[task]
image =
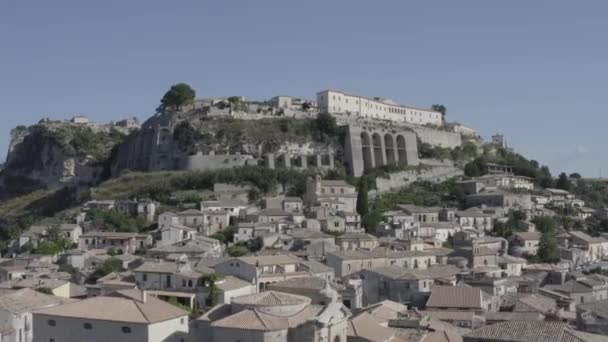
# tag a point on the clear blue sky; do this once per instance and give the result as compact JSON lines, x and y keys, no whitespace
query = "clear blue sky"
{"x":533,"y":70}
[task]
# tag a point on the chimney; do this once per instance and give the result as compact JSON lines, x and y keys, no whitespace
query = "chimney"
{"x":144,"y":296}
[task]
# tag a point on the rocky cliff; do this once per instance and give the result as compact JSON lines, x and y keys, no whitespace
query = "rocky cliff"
{"x":166,"y":140}
{"x":52,"y":154}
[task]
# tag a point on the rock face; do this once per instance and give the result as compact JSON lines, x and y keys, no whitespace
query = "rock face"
{"x":195,"y":141}
{"x":52,"y":154}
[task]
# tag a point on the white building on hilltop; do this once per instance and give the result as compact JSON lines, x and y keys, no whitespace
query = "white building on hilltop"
{"x":337,"y":102}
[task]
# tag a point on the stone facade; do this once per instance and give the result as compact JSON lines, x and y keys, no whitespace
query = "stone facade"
{"x":370,"y":148}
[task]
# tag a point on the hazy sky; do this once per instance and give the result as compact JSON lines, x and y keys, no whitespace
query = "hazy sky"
{"x":534,"y":70}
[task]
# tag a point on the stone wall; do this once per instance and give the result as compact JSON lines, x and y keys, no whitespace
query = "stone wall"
{"x":199,"y":162}
{"x":367,"y":148}
{"x":437,"y":137}
{"x":401,"y":179}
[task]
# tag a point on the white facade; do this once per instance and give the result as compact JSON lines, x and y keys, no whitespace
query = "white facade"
{"x":69,"y":329}
{"x":337,"y":102}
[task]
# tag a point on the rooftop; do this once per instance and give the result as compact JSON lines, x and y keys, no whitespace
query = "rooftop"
{"x":526,"y":331}
{"x":123,"y":306}
{"x":455,"y":297}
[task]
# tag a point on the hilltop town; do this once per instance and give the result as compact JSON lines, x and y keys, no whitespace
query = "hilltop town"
{"x":339,"y":218}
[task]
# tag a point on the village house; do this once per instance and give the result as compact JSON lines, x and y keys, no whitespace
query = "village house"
{"x":318,"y":190}
{"x":470,"y":219}
{"x":125,"y":315}
{"x":120,"y":242}
{"x":558,"y":197}
{"x":500,"y":198}
{"x":293,"y":205}
{"x":527,"y":331}
{"x":441,"y":231}
{"x":592,"y":317}
{"x":234,"y":208}
{"x":272,"y":317}
{"x":145,"y":209}
{"x":594,"y":248}
{"x":525,"y":243}
{"x":250,"y":230}
{"x":16,"y":309}
{"x":349,"y":262}
{"x":463,"y":298}
{"x":356,"y":241}
{"x":497,"y":181}
{"x":407,"y":286}
{"x":174,"y":233}
{"x":199,"y":246}
{"x":264,"y":270}
{"x":421,"y":214}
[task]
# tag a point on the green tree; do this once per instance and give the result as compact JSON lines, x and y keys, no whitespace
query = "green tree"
{"x":178,"y":95}
{"x":440,"y":108}
{"x":575,"y":175}
{"x":563,"y":182}
{"x":362,"y":197}
{"x":237,"y":251}
{"x":326,"y":123}
{"x":54,"y":233}
{"x":547,"y":248}
{"x":108,"y":266}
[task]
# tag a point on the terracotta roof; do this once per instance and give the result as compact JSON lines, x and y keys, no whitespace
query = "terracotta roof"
{"x":524,"y":331}
{"x":369,"y":327}
{"x":314,"y":283}
{"x":230,"y":283}
{"x":528,"y":235}
{"x":442,"y":336}
{"x":270,"y":260}
{"x":599,"y":308}
{"x":122,"y":306}
{"x":455,"y":297}
{"x":27,"y":300}
{"x":271,"y":298}
{"x":251,"y":319}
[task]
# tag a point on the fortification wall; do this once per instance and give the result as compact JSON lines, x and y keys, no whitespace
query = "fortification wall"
{"x":437,"y":137}
{"x":371,"y":147}
{"x":401,"y":179}
{"x":201,"y":162}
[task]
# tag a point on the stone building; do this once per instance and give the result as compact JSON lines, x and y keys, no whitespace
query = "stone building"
{"x":338,"y":102}
{"x":273,"y":317}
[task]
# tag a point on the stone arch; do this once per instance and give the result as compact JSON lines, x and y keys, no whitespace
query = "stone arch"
{"x":367,"y":151}
{"x":389,"y":146}
{"x":378,"y":153}
{"x":401,"y":150}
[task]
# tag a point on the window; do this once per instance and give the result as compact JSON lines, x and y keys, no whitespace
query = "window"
{"x":126,"y":330}
{"x":51,"y":340}
{"x":181,"y":321}
{"x":145,"y":277}
{"x":51,"y":322}
{"x":88,"y":326}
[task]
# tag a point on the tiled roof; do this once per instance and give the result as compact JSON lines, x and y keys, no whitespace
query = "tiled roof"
{"x":455,"y":297}
{"x":433,"y":272}
{"x":252,"y":319}
{"x":230,"y":283}
{"x":369,"y":328}
{"x":271,"y":298}
{"x":123,"y":306}
{"x":27,"y":300}
{"x":314,"y":283}
{"x":270,"y":260}
{"x":525,"y":331}
{"x":529,"y":235}
{"x":599,"y":308}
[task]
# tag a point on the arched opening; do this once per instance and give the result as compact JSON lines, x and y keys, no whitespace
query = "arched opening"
{"x":390,"y":149}
{"x":367,"y":151}
{"x":378,"y":155}
{"x":401,"y":151}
